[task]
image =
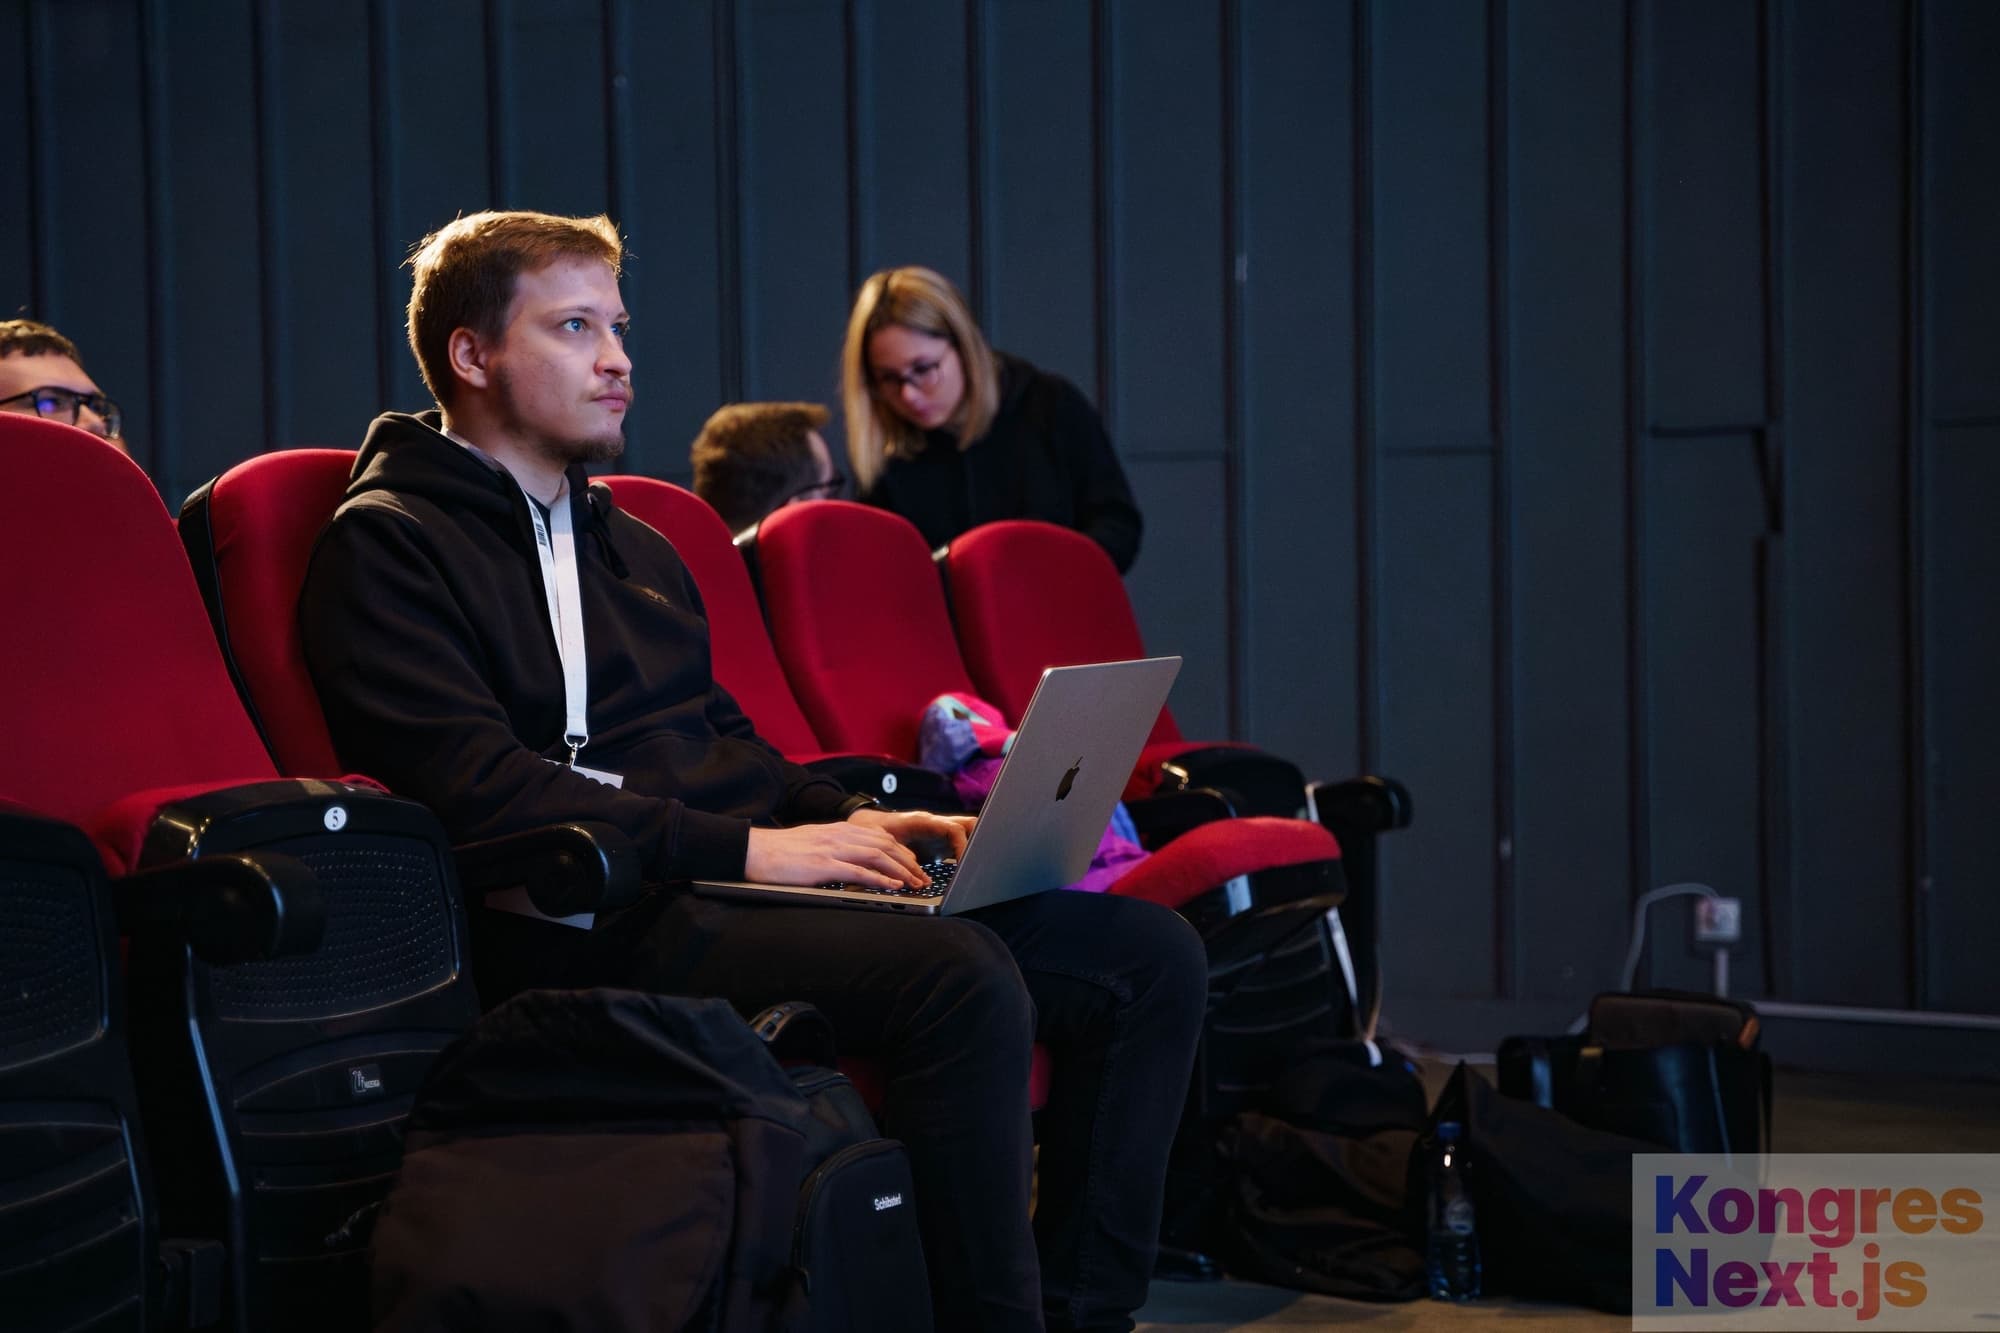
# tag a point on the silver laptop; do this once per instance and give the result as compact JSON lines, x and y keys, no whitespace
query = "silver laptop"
{"x":1048,"y":809}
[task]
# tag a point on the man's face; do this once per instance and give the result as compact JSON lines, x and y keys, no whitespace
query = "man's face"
{"x":18,"y":374}
{"x":560,"y":371}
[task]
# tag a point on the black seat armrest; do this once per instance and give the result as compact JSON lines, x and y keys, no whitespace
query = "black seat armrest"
{"x":233,"y":907}
{"x":566,"y":869}
{"x":1360,"y":805}
{"x":1161,"y":819}
{"x":898,"y":786}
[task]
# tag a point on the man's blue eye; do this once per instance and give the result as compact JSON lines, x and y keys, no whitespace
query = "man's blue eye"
{"x":620,"y":329}
{"x":574,"y":324}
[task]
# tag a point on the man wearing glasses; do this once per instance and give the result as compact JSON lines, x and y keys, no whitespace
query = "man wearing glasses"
{"x":42,"y":375}
{"x":752,"y":458}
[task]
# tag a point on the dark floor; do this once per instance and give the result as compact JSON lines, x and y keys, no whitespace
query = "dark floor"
{"x":1810,"y":1113}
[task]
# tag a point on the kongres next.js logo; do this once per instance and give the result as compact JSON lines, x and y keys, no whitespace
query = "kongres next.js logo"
{"x":1876,"y":1240}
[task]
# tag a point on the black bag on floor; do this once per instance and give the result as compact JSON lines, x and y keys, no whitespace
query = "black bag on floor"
{"x":1552,"y":1199}
{"x":1678,"y":1069}
{"x":1318,"y":1183}
{"x":608,"y":1161}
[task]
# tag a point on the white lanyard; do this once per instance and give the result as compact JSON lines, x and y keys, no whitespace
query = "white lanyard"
{"x":555,"y":543}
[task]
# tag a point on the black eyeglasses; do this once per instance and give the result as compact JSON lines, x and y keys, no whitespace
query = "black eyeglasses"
{"x":922,"y":376}
{"x":66,"y":406}
{"x":815,"y":490}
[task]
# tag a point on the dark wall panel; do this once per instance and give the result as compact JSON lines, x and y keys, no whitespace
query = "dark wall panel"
{"x":1704,"y":630}
{"x":1961,"y":51}
{"x":549,"y":106}
{"x":436,"y":150}
{"x":324,"y":265}
{"x":1843,"y":302}
{"x":1167,"y":297}
{"x":911,"y":175}
{"x":1296,"y":252}
{"x":1433,"y":275}
{"x":1565,"y":447}
{"x":1438,"y":724}
{"x":17,"y":256}
{"x":793,"y":114}
{"x":96,"y":274}
{"x":1039,"y":195}
{"x":1963,"y":658}
{"x":1704,"y":193}
{"x":213,"y":403}
{"x":1183,"y":602}
{"x":672,"y":216}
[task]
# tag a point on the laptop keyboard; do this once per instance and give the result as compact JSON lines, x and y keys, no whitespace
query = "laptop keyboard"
{"x":939,"y":871}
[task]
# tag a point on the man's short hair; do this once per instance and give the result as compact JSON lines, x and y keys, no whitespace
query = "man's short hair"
{"x":31,"y":337}
{"x":465,"y":276}
{"x":752,"y":457}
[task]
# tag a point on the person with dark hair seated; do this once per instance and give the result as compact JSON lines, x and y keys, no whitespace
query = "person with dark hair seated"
{"x":41,"y":374}
{"x":752,"y":458}
{"x":951,"y":434}
{"x":490,"y":635}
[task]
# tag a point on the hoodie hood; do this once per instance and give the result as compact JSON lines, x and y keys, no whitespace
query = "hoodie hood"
{"x":409,"y":453}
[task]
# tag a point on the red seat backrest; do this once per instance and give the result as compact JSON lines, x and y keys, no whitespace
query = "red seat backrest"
{"x":263,"y":517}
{"x":111,"y":681}
{"x":744,"y":661}
{"x":858,"y":616}
{"x":1027,"y":595}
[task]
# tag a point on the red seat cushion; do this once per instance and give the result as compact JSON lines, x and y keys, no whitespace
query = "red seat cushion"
{"x":264,"y":516}
{"x":744,"y":661}
{"x":124,"y":687}
{"x":859,"y":620}
{"x":1026,"y":595}
{"x":1216,"y":853}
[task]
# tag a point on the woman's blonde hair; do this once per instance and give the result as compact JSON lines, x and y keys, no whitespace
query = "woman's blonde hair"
{"x":924,"y":302}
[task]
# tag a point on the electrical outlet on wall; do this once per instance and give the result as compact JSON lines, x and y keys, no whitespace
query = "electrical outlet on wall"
{"x":1718,"y":920}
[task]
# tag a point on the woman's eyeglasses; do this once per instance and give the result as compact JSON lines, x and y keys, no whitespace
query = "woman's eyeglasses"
{"x":922,"y":376}
{"x":66,"y":406}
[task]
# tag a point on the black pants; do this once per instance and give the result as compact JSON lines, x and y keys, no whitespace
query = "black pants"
{"x":1113,"y":986}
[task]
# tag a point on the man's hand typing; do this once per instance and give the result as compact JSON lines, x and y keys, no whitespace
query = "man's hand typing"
{"x":852,"y":852}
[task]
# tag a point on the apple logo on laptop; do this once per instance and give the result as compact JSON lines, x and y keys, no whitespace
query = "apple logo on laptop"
{"x":1062,"y":788}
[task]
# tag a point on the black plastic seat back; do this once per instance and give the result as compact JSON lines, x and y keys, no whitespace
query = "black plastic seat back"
{"x":77,"y":1234}
{"x":306,"y":1065}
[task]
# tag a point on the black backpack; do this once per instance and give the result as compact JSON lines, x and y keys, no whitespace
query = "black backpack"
{"x":608,"y":1161}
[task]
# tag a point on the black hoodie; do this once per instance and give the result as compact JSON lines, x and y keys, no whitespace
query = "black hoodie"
{"x":1045,"y":456}
{"x":426,"y":629}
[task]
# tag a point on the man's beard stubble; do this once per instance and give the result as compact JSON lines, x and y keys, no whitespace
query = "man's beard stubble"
{"x":563,"y":452}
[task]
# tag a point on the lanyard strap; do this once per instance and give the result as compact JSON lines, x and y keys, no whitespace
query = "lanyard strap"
{"x":555,"y":543}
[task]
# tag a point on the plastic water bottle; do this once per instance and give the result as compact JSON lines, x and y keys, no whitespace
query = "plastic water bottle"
{"x":1451,"y":1266}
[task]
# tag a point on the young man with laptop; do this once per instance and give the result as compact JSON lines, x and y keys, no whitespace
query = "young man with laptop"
{"x":493,"y":638}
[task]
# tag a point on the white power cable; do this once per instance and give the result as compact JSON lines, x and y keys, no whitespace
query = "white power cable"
{"x":1639,"y":911}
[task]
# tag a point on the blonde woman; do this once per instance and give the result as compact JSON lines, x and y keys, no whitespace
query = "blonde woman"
{"x":951,"y":434}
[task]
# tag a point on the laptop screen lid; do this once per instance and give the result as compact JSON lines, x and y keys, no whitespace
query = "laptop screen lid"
{"x":1071,"y":757}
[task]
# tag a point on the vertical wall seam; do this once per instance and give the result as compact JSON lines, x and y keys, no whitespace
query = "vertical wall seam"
{"x":856,"y":66}
{"x":1638,"y":679}
{"x":619,"y":177}
{"x":1236,"y":531}
{"x":1368,"y":603}
{"x":978,"y":94}
{"x":1102,"y":148}
{"x":1775,"y":649}
{"x":1507,"y":936}
{"x":39,"y":58}
{"x":499,"y":113}
{"x":270,"y":222}
{"x":728,"y":205}
{"x":383,"y":106}
{"x":1916,"y":741}
{"x":164,"y":436}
